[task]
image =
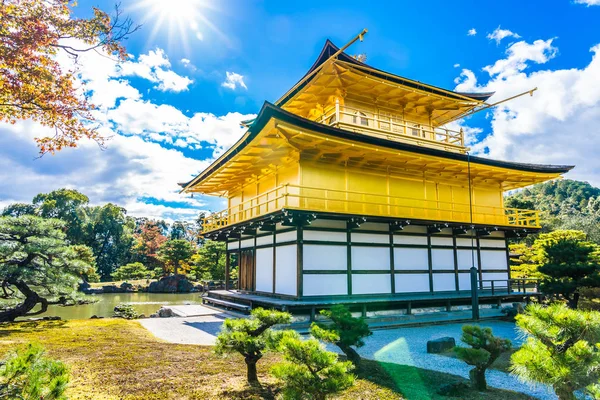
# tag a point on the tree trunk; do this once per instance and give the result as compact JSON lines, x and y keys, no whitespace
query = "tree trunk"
{"x":251,"y":361}
{"x":351,"y":354}
{"x":573,"y":301}
{"x":565,"y":393}
{"x":31,"y":300}
{"x":477,"y":377}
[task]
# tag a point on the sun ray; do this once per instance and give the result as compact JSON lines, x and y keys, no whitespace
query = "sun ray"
{"x":179,"y":20}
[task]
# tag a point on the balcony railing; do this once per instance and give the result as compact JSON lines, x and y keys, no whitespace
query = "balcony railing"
{"x":368,"y":204}
{"x":392,"y":127}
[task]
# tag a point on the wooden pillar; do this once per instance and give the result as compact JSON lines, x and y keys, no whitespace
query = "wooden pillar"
{"x":227,"y":261}
{"x":474,"y":295}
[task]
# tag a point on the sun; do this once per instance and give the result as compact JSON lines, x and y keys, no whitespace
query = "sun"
{"x":182,"y":20}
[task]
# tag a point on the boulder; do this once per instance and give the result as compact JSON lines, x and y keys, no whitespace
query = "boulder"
{"x":165,"y":313}
{"x":111,"y":289}
{"x":440,"y":345}
{"x":171,"y":284}
{"x":511,"y":312}
{"x":127,"y":287}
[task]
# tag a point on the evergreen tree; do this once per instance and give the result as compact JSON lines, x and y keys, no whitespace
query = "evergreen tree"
{"x":562,"y":349}
{"x":209,"y":263}
{"x":176,"y":254}
{"x":36,"y":261}
{"x":309,"y":371}
{"x":570,"y":265}
{"x":345,"y":331}
{"x":485,"y":349}
{"x":134,"y":270}
{"x":251,"y":337}
{"x":28,"y":374}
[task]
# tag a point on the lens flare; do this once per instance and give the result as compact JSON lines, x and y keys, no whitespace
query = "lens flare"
{"x":180,"y":20}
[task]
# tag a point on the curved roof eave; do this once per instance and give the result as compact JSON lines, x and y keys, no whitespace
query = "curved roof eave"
{"x":329,"y":49}
{"x":270,"y":111}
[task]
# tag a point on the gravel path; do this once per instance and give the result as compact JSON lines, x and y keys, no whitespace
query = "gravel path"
{"x":406,"y":346}
{"x":189,"y":330}
{"x":409,"y":346}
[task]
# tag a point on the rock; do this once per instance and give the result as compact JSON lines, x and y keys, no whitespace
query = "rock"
{"x":155,"y":315}
{"x":456,"y":389}
{"x":171,"y":284}
{"x":440,"y":345}
{"x":95,"y":317}
{"x":127,"y":287}
{"x":111,"y":289}
{"x":165,"y":313}
{"x":512,"y":311}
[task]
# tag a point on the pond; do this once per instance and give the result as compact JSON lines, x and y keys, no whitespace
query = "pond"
{"x":144,"y":303}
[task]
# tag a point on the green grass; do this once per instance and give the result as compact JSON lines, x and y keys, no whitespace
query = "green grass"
{"x":118,"y":359}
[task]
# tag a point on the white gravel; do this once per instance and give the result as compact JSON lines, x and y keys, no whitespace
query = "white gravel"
{"x":408,"y":346}
{"x":189,"y":330}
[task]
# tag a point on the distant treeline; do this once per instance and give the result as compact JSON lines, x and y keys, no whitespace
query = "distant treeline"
{"x":117,"y":239}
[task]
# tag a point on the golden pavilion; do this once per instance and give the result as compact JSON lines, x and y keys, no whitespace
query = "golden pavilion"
{"x":352,"y":188}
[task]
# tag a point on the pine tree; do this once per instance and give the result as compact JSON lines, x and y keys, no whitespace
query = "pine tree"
{"x":36,"y":261}
{"x":562,"y":349}
{"x":251,"y":337}
{"x":309,"y":371}
{"x":485,"y":349}
{"x":570,"y":265}
{"x":28,"y":374}
{"x":345,"y":331}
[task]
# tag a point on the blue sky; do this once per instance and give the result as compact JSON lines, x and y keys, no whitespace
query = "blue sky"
{"x":199,"y":67}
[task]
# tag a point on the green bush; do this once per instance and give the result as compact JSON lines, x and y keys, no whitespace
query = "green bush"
{"x":29,"y":375}
{"x":251,"y":337}
{"x":345,"y":331}
{"x":125,"y":311}
{"x":309,"y":371}
{"x":135,"y":270}
{"x":485,"y":349}
{"x":562,"y":349}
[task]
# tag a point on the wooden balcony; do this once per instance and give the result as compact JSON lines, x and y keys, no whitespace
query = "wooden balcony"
{"x":367,"y":204}
{"x":392,"y":126}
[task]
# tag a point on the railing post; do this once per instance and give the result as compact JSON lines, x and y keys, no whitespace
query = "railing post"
{"x":492,"y":288}
{"x":474,"y":295}
{"x":337,"y":110}
{"x":462,"y":137}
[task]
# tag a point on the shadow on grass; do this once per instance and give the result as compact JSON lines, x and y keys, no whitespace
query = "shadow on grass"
{"x":266,"y":391}
{"x":21,"y":327}
{"x":411,"y":382}
{"x":421,"y":384}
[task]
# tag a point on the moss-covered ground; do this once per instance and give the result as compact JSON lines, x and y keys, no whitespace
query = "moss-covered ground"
{"x":118,"y":359}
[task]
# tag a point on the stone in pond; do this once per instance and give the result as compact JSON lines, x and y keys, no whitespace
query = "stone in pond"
{"x":440,"y":345}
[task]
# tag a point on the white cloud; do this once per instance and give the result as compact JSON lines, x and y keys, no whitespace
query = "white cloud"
{"x":144,"y":159}
{"x":472,"y":32}
{"x":155,"y":67}
{"x":233,"y":81}
{"x":456,"y":65}
{"x":500,"y":34}
{"x":588,"y":2}
{"x":147,"y":120}
{"x":557,"y":125}
{"x":519,"y":54}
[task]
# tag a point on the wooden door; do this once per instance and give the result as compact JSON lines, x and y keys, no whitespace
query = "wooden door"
{"x":246,"y":270}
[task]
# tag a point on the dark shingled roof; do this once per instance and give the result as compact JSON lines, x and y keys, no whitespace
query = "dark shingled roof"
{"x":269,"y":111}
